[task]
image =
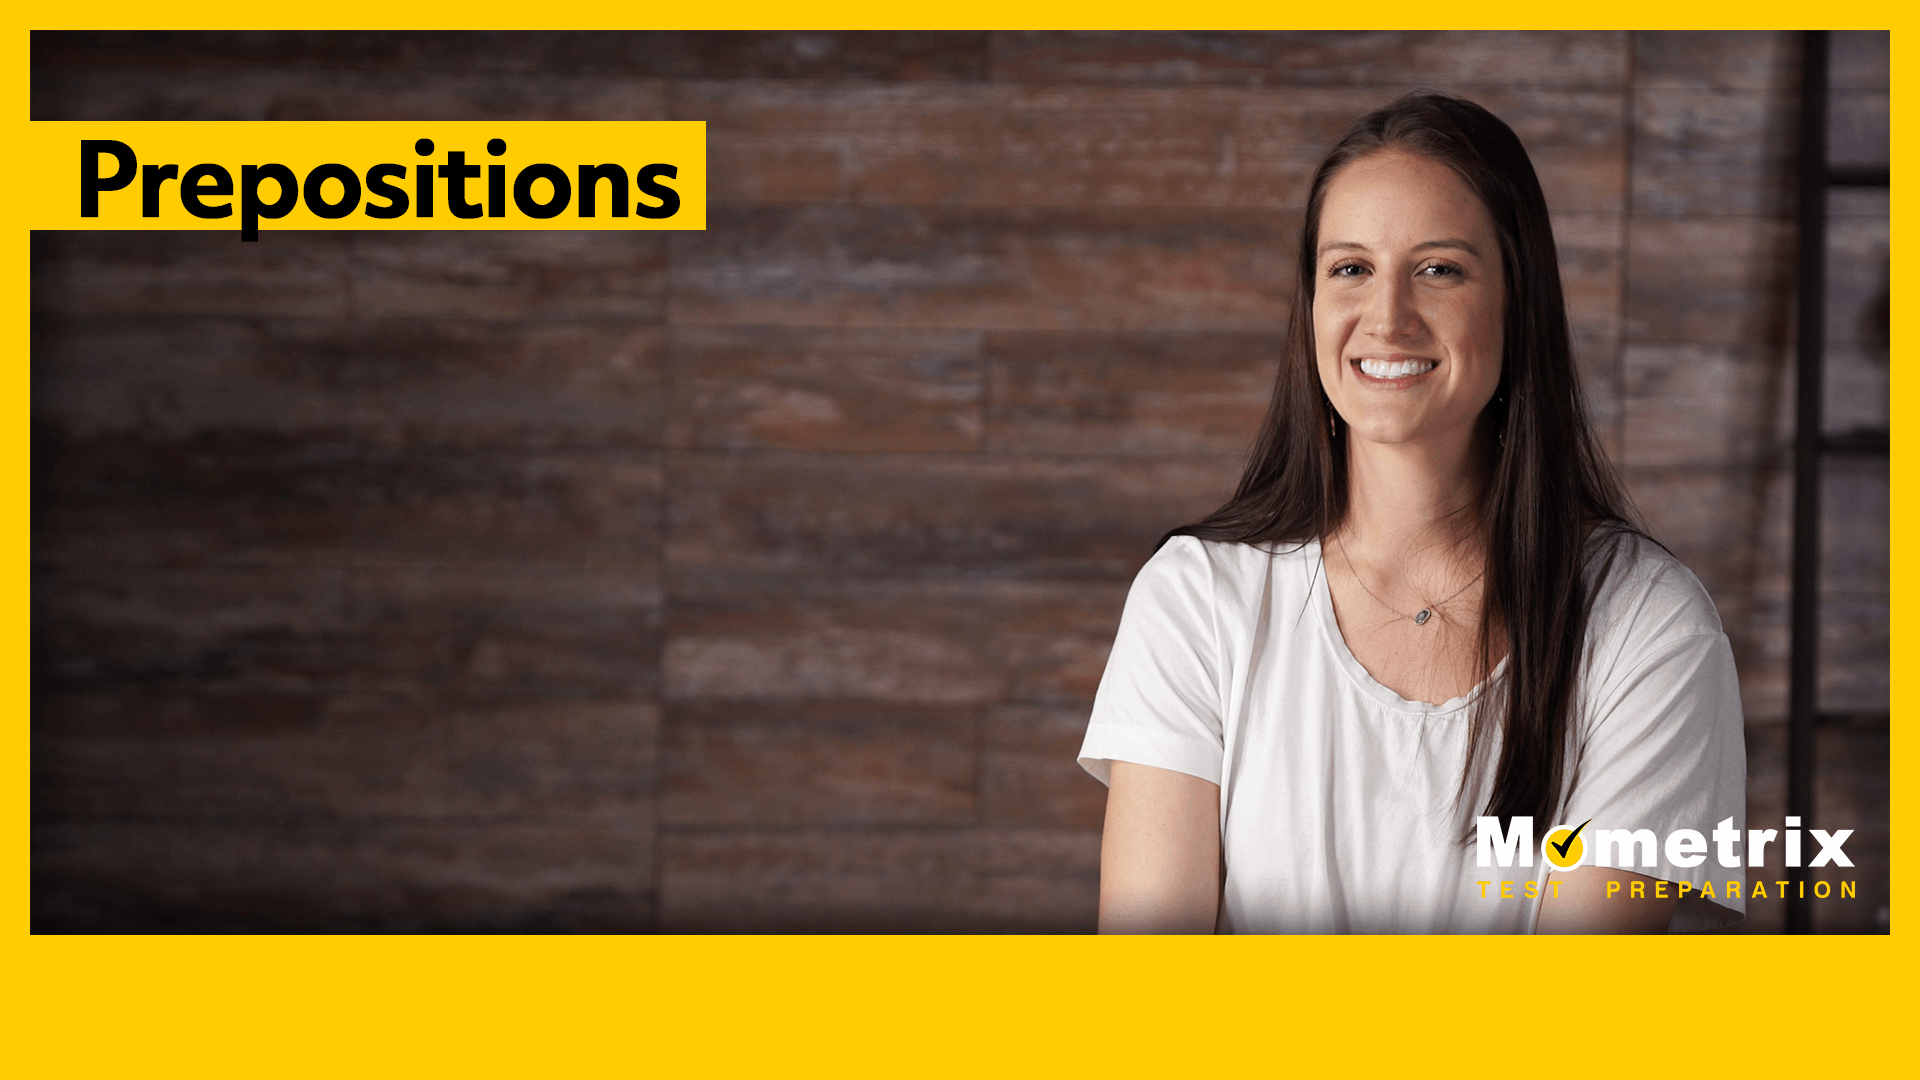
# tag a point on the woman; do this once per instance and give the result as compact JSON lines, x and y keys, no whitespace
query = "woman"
{"x":1422,"y":624}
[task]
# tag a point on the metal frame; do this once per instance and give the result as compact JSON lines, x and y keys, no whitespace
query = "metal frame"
{"x":1809,"y":423}
{"x":1810,"y":447}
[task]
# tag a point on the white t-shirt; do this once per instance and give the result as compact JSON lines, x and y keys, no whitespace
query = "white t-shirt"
{"x":1338,"y":809}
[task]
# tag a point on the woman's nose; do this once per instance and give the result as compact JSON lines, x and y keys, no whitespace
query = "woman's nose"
{"x":1392,"y":313}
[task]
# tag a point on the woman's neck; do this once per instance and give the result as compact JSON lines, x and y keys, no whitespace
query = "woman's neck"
{"x":1413,"y":502}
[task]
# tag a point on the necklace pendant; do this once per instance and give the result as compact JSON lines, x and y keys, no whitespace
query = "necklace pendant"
{"x":1421,"y":619}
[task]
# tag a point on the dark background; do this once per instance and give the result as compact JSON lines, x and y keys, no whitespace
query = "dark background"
{"x":760,"y":578}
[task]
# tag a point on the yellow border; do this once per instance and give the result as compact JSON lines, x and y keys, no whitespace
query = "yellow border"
{"x":954,"y":14}
{"x":307,"y":1006}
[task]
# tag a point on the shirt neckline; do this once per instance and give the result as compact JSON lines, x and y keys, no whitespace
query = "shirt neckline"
{"x":1357,"y":673}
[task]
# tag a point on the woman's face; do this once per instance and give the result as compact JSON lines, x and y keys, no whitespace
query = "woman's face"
{"x":1408,"y":306}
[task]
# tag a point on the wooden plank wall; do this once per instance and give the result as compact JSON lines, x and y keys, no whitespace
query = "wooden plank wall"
{"x":760,"y":578}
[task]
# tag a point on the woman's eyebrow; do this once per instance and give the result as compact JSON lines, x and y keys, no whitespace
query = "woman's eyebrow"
{"x":1342,"y":245}
{"x":1452,"y":245}
{"x":1446,"y":245}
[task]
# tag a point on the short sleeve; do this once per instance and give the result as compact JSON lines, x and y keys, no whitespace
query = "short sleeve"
{"x":1663,"y":744}
{"x":1159,"y":699}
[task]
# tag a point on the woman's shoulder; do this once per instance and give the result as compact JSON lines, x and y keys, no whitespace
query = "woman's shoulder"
{"x":1224,"y":576}
{"x":1645,"y":592}
{"x":1228,"y":564}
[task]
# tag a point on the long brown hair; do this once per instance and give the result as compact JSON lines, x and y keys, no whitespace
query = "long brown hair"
{"x":1547,"y":483}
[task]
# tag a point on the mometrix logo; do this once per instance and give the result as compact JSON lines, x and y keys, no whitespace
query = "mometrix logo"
{"x":1567,"y":846}
{"x":1562,"y":847}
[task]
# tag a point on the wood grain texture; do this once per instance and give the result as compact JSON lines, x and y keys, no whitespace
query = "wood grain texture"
{"x":879,"y":880}
{"x":1859,"y":279}
{"x":1850,"y":792}
{"x":322,"y":630}
{"x":858,"y":390}
{"x":413,"y":383}
{"x":1128,"y":393}
{"x":287,"y":274}
{"x":1714,"y":153}
{"x":984,"y":268}
{"x":829,"y":54}
{"x":934,"y":516}
{"x":1711,"y":405}
{"x":1722,"y":281}
{"x":1859,"y":127}
{"x":1291,"y":59}
{"x":939,"y":642}
{"x":1717,"y":60}
{"x":1029,"y":775}
{"x":355,"y":758}
{"x":1858,"y":59}
{"x":530,"y":276}
{"x":819,"y":763}
{"x":246,"y":499}
{"x":1858,"y":311}
{"x":336,"y":93}
{"x":1004,"y":144}
{"x":761,"y":578}
{"x":386,"y":877}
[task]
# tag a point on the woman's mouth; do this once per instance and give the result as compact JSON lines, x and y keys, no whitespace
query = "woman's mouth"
{"x":1395,"y":369}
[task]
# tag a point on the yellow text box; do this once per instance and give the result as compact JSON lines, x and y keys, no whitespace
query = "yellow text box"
{"x":251,"y":176}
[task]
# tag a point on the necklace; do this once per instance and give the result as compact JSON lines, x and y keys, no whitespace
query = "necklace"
{"x":1425,"y":612}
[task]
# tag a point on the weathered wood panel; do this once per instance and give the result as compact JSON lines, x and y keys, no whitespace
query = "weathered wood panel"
{"x":333,"y":93}
{"x":1004,"y":144}
{"x":1028,"y":775}
{"x":369,"y":596}
{"x":412,"y":383}
{"x":819,"y":763}
{"x":355,"y":758}
{"x":1714,"y":153}
{"x":323,"y":630}
{"x":938,"y":642}
{"x":379,"y":877}
{"x":287,"y":274}
{"x":1851,"y":793}
{"x":859,"y":390}
{"x":1716,"y":60}
{"x":1712,"y":405}
{"x":482,"y":275}
{"x":984,"y":268}
{"x":1128,"y":393}
{"x":821,"y":54}
{"x":934,"y":516}
{"x":245,"y":499}
{"x":1309,"y":58}
{"x":1723,"y":281}
{"x":1859,"y":126}
{"x":879,"y":880}
{"x":531,"y":276}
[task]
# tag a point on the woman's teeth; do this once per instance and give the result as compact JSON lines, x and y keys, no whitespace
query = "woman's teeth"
{"x":1397,"y":369}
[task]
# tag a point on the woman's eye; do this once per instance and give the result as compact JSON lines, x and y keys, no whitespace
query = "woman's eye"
{"x":1346,"y":270}
{"x":1440,"y":270}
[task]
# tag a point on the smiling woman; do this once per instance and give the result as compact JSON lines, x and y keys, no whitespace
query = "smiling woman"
{"x":1424,"y":622}
{"x":1406,"y":320}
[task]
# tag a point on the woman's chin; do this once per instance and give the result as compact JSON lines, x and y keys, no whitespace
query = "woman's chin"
{"x":1410,"y":433}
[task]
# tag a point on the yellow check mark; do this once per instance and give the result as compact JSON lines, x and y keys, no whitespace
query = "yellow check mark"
{"x":1563,"y":845}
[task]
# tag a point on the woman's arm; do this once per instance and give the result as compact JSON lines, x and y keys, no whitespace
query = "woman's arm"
{"x":1580,"y":904}
{"x":1160,"y":853}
